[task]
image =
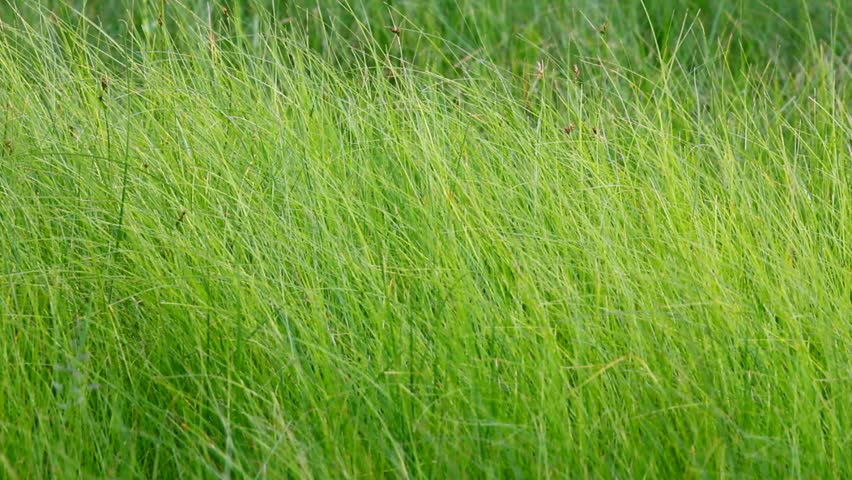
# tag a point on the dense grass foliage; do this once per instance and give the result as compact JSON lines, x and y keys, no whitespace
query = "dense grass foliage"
{"x":433,"y":239}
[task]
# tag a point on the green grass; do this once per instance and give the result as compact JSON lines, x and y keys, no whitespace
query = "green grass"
{"x":282,"y":242}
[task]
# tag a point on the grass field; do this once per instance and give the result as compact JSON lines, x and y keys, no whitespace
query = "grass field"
{"x":426,"y":239}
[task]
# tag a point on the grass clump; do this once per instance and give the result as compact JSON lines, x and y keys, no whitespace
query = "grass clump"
{"x":251,"y":241}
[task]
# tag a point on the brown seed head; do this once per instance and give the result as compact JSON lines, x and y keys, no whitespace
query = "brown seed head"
{"x":104,"y":82}
{"x":395,"y":30}
{"x":539,"y":70}
{"x":604,"y":28}
{"x":576,"y":70}
{"x":569,"y":129}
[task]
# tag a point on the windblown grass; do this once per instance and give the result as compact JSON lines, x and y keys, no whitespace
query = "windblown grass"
{"x":525,"y":242}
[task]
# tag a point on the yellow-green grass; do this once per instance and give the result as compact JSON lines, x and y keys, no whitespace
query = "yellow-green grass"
{"x":466,"y":239}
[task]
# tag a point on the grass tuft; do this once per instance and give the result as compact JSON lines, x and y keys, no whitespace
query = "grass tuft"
{"x":467,"y":239}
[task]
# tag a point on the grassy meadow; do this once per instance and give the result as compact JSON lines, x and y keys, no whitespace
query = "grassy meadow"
{"x":425,"y":239}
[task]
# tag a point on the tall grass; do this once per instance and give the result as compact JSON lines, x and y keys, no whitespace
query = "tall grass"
{"x":503,"y":240}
